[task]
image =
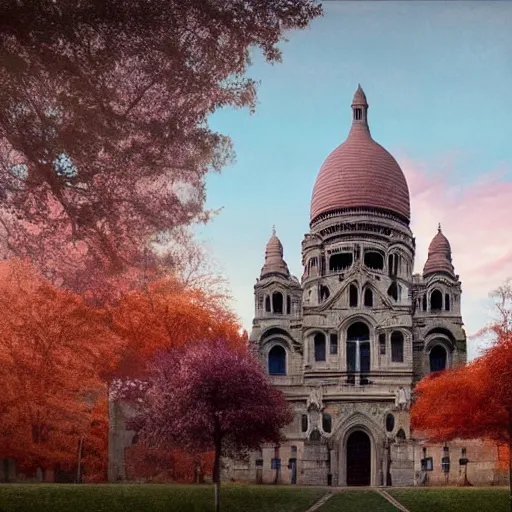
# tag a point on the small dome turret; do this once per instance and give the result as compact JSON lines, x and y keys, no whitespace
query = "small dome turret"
{"x":439,"y":256}
{"x":274,"y":262}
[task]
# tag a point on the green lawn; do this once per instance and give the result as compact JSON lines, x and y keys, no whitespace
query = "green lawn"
{"x":154,"y":498}
{"x":452,"y":500}
{"x":357,"y":501}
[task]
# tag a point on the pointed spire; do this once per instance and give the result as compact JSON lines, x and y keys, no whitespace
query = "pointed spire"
{"x":360,"y":110}
{"x":274,"y":262}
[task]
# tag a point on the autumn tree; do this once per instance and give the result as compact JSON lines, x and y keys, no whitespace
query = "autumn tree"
{"x":166,"y":315}
{"x":209,"y":397}
{"x":104,"y":105}
{"x":54,"y":351}
{"x":470,"y":402}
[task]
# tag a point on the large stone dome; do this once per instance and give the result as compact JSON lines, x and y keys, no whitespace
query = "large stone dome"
{"x":360,"y":173}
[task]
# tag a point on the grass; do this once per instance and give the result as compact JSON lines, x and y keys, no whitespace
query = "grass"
{"x":357,"y":501}
{"x":452,"y":500}
{"x":153,"y":498}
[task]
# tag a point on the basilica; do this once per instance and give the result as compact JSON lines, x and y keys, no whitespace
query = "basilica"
{"x":347,"y":342}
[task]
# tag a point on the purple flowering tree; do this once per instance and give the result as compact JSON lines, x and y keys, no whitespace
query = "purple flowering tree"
{"x":209,"y":397}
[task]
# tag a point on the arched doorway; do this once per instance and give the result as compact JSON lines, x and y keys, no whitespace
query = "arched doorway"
{"x":359,"y":452}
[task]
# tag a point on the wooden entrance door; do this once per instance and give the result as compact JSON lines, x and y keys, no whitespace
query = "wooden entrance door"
{"x":358,"y":459}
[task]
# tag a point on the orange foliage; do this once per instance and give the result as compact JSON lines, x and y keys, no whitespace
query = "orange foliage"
{"x":159,"y":465}
{"x":167,"y":315}
{"x":53,"y":349}
{"x":470,"y":402}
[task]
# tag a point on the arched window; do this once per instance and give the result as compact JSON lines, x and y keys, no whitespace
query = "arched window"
{"x":326,"y":423}
{"x":267,"y":304}
{"x":447,"y":302}
{"x":400,"y":436}
{"x":277,"y":302}
{"x":397,"y":347}
{"x":438,"y":357}
{"x":436,"y":301}
{"x":424,"y":303}
{"x":358,"y":350}
{"x":340,"y":261}
{"x":352,"y":296}
{"x":288,"y":305}
{"x":304,"y":422}
{"x":324,"y":293}
{"x":319,"y":347}
{"x":393,"y":291}
{"x":390,"y":422}
{"x":368,"y":298}
{"x":277,"y":360}
{"x":373,"y":260}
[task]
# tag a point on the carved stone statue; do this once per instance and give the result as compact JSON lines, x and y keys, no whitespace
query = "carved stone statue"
{"x":315,"y":399}
{"x":402,"y":399}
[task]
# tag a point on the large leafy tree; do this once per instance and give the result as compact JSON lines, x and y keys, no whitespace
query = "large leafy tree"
{"x":104,"y":105}
{"x":209,"y":397}
{"x":54,"y":354}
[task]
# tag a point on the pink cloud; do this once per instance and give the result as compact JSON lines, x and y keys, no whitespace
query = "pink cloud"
{"x":475,"y":217}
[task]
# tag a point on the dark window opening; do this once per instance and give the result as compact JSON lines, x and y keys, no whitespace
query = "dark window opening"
{"x":400,"y":435}
{"x":304,"y":422}
{"x":315,"y":436}
{"x":436,"y":301}
{"x":424,"y":301}
{"x":390,"y":264}
{"x":382,"y":343}
{"x":313,"y":262}
{"x":352,"y":296}
{"x":288,"y":305}
{"x":358,"y":349}
{"x":437,"y":358}
{"x":277,"y":302}
{"x":395,"y":264}
{"x":390,"y":422}
{"x":334,"y":344}
{"x":319,"y":347}
{"x":397,"y":347}
{"x":373,"y":260}
{"x":267,"y":304}
{"x":326,"y":422}
{"x":340,"y":261}
{"x":358,"y":114}
{"x":393,"y":291}
{"x":324,"y":293}
{"x":447,"y":302}
{"x":277,"y":360}
{"x":368,"y":298}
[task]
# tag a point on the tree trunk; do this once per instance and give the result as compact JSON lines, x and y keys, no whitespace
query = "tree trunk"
{"x":216,"y":477}
{"x":79,"y":465}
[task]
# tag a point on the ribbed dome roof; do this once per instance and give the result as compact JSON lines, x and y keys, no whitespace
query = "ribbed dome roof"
{"x":360,"y":173}
{"x":439,"y":256}
{"x":274,"y":262}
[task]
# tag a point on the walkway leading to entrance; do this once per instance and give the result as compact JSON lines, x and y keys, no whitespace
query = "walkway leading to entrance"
{"x":359,"y":463}
{"x":392,"y":500}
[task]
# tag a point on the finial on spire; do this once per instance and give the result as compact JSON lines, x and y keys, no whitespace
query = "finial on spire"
{"x":274,"y":229}
{"x":439,"y":228}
